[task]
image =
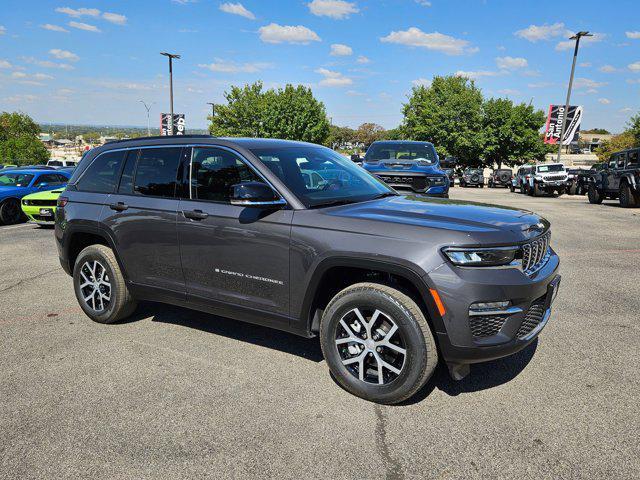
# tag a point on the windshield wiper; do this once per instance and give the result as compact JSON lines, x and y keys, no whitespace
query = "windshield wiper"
{"x":385,"y":195}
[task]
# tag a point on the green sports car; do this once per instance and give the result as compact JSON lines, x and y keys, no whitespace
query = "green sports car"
{"x":40,"y":207}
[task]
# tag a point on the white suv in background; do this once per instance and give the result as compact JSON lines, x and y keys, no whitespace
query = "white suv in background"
{"x":547,"y":178}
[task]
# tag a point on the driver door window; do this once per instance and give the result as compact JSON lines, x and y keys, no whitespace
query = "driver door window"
{"x":215,"y":171}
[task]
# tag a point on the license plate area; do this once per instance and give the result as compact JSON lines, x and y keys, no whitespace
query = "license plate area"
{"x":46,"y":212}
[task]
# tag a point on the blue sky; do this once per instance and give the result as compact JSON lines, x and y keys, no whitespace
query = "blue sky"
{"x":92,"y":61}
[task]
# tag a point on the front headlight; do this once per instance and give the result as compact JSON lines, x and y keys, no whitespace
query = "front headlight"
{"x":437,"y":180}
{"x":481,"y":257}
{"x":538,"y":177}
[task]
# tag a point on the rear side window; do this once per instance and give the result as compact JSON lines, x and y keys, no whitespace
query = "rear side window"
{"x":50,"y":179}
{"x":102,"y":175}
{"x":632,"y":160}
{"x":157,"y":171}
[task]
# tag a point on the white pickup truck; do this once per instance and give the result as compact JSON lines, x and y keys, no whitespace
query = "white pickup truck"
{"x":547,"y":178}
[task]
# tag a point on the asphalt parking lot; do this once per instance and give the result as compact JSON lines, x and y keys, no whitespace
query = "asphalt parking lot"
{"x":180,"y":394}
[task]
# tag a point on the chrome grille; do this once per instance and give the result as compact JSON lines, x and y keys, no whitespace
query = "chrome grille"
{"x":532,"y":319}
{"x":535,"y":254}
{"x":555,"y":177}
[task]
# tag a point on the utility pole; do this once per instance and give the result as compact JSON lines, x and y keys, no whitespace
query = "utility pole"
{"x":213,"y":108}
{"x":170,"y":56}
{"x":576,"y":37}
{"x":148,"y":107}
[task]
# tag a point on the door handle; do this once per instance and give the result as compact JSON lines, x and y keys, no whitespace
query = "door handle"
{"x":119,"y":207}
{"x":195,"y":214}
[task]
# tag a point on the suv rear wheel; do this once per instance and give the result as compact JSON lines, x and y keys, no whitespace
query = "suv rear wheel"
{"x":594,"y":195}
{"x":626,"y":197}
{"x":377,"y":343}
{"x":100,"y":287}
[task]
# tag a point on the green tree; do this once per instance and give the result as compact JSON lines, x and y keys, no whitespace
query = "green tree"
{"x":291,"y":113}
{"x":367,"y":133}
{"x":511,"y":133}
{"x":634,"y":129}
{"x":618,"y":142}
{"x":447,"y":113}
{"x":339,"y":136}
{"x":599,"y":131}
{"x":19,"y":141}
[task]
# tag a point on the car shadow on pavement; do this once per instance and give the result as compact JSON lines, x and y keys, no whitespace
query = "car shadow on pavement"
{"x":308,"y":349}
{"x":482,"y":376}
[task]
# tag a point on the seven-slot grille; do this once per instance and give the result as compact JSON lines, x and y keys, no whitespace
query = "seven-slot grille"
{"x":555,"y":177}
{"x":535,"y":254}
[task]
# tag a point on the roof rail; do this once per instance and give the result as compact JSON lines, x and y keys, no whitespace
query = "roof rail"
{"x":156,"y":137}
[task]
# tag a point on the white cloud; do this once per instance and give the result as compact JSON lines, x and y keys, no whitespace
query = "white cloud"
{"x":20,"y":99}
{"x":511,"y":63}
{"x":274,"y":33}
{"x":222,"y":66}
{"x":354,"y":93}
{"x":64,"y":55}
{"x":237,"y":9}
{"x":631,"y":81}
{"x":363,"y":60}
{"x":508,"y":91}
{"x":414,"y":37}
{"x":540,"y":85}
{"x":115,"y":18}
{"x":608,"y":69}
{"x":604,"y":101}
{"x":340,"y":50}
{"x":584,"y":41}
{"x":633,"y":35}
{"x":634,"y":67}
{"x":626,"y":110}
{"x":53,"y":28}
{"x":3,"y":29}
{"x":421,"y":82}
{"x":534,"y":33}
{"x":585,"y":64}
{"x":84,"y":26}
{"x":588,"y":83}
{"x":424,"y":3}
{"x":80,"y":12}
{"x":47,"y":63}
{"x":4,"y":64}
{"x":478,"y":73}
{"x":333,"y":79}
{"x":337,"y":9}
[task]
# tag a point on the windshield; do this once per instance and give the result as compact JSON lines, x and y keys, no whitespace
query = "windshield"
{"x":319,"y":176}
{"x":550,"y":168}
{"x":15,"y":180}
{"x":473,"y":171}
{"x":54,"y":163}
{"x":401,"y":151}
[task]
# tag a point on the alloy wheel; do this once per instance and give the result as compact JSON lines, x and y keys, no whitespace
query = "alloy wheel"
{"x":371,"y":345}
{"x":95,"y":286}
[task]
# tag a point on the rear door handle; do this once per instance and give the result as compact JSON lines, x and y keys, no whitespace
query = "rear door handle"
{"x":195,"y":214}
{"x":119,"y":207}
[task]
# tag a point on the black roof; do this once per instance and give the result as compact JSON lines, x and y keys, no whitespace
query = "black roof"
{"x":248,"y":143}
{"x":394,"y":142}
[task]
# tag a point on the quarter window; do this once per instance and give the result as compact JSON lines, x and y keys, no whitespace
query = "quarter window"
{"x":157,"y":171}
{"x":632,"y":161}
{"x":214,"y":171}
{"x":621,"y":158}
{"x":102,"y":175}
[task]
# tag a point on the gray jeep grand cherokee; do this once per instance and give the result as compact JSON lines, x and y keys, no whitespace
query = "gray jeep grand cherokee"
{"x":296,"y":237}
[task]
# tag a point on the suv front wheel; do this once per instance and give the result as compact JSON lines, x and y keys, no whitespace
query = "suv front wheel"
{"x":377,"y":343}
{"x":626,"y":198}
{"x":594,"y":195}
{"x":100,"y":287}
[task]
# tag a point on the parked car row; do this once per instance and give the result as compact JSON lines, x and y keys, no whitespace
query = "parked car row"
{"x":30,"y":194}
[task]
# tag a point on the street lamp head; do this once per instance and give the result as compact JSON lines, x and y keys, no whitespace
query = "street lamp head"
{"x":581,"y":34}
{"x":170,"y":55}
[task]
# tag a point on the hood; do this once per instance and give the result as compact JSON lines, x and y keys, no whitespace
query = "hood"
{"x":477,"y":220}
{"x":402,"y":165}
{"x":12,"y":192}
{"x":46,"y":195}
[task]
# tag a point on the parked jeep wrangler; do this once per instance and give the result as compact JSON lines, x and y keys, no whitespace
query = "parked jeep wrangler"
{"x":520,"y":180}
{"x":392,"y":284}
{"x":619,"y":178}
{"x":549,"y":178}
{"x":472,"y":177}
{"x":586,"y":177}
{"x":500,"y":178}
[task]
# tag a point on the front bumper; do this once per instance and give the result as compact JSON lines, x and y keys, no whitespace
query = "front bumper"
{"x":36,"y":214}
{"x":416,"y":181}
{"x":531,"y":299}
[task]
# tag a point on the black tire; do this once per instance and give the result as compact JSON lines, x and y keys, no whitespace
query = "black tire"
{"x":10,"y":212}
{"x":573,"y":189}
{"x":627,"y":198}
{"x":413,"y":331}
{"x":120,"y":304}
{"x":512,"y":188}
{"x":594,"y":195}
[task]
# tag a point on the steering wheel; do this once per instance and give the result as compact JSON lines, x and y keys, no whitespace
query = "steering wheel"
{"x":334,"y":184}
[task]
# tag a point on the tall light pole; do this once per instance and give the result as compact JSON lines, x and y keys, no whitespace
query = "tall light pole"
{"x":148,"y":107}
{"x":170,"y":56}
{"x":213,"y":108}
{"x":576,"y":37}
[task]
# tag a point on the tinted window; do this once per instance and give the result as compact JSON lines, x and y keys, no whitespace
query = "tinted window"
{"x":126,"y":180}
{"x":55,"y":163}
{"x":215,"y":171}
{"x":156,"y":172}
{"x":632,"y":161}
{"x":102,"y":175}
{"x":50,"y":179}
{"x":621,"y":159}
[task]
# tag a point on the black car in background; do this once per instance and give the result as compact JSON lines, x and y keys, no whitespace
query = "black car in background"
{"x":472,"y":177}
{"x":619,"y":178}
{"x":451,"y":174}
{"x":500,"y":178}
{"x":585,"y":177}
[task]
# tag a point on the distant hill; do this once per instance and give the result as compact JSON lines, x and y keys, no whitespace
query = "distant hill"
{"x":120,"y":131}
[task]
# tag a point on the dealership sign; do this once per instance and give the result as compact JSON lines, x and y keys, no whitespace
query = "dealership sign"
{"x":555,"y":120}
{"x":178,"y":124}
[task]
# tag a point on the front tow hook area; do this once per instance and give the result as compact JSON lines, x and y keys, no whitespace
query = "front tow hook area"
{"x":458,"y":371}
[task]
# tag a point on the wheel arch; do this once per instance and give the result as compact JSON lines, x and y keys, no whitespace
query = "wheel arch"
{"x":80,"y":238}
{"x":334,"y":274}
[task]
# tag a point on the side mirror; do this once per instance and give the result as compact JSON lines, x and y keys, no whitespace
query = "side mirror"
{"x":255,"y":194}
